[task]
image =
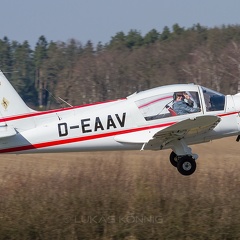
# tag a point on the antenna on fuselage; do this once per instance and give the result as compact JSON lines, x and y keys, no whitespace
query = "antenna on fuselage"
{"x":58,"y":98}
{"x":65,"y":102}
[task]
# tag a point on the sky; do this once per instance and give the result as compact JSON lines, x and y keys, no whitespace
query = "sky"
{"x":99,"y":20}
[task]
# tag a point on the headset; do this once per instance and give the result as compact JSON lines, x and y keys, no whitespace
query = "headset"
{"x":178,"y":94}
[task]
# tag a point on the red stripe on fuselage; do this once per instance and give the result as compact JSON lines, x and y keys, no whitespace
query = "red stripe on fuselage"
{"x":81,"y":139}
{"x":34,"y":114}
{"x":227,"y":114}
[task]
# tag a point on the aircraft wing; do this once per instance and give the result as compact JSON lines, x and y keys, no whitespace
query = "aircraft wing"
{"x":184,"y":129}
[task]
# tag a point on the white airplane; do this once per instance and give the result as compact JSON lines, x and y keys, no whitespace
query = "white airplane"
{"x":143,"y":121}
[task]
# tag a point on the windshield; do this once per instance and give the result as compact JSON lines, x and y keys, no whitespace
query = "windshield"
{"x":214,"y":101}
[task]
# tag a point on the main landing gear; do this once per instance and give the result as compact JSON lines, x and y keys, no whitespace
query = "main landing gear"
{"x":186,"y":164}
{"x":182,"y":158}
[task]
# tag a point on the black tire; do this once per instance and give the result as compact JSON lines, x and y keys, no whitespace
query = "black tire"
{"x":173,"y":159}
{"x":186,"y":165}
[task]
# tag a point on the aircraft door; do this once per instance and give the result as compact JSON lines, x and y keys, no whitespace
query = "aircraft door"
{"x":233,"y":105}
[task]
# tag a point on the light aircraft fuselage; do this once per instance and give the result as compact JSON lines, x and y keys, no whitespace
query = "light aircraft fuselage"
{"x":142,"y":121}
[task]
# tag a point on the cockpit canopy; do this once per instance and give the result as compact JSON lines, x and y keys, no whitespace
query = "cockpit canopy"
{"x":160,"y":104}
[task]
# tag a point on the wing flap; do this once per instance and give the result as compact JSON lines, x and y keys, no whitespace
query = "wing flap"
{"x":186,"y":128}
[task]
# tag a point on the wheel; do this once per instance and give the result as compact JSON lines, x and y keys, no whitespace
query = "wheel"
{"x":173,"y":159}
{"x":186,"y":165}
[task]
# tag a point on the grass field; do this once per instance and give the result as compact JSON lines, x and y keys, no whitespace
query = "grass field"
{"x":121,"y":195}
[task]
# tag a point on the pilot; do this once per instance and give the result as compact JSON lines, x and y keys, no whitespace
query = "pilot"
{"x":183,"y":104}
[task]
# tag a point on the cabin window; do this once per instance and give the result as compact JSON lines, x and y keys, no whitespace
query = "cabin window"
{"x":214,"y":101}
{"x":162,"y":105}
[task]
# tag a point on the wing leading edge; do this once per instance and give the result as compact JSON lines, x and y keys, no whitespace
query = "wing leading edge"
{"x":185,"y":129}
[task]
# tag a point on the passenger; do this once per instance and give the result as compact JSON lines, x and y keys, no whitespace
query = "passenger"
{"x":181,"y":106}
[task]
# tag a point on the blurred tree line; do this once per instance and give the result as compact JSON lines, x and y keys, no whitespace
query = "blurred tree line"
{"x":128,"y":63}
